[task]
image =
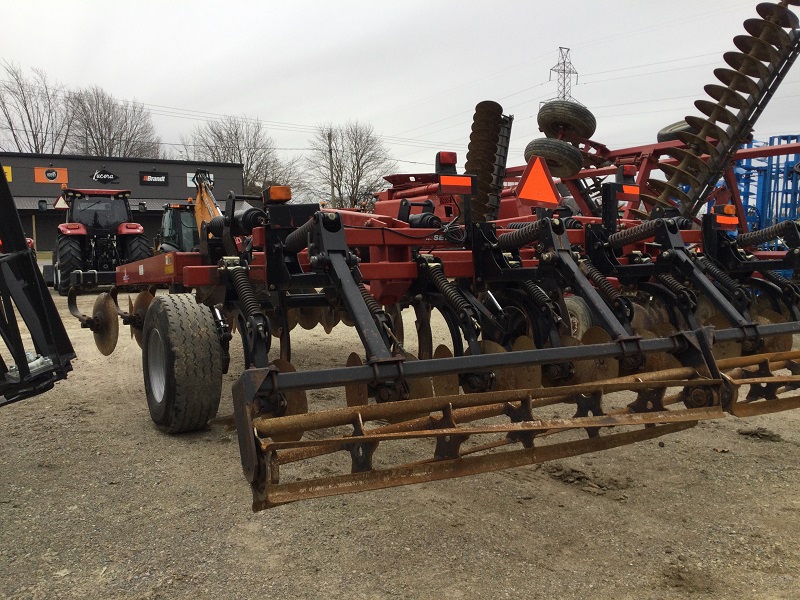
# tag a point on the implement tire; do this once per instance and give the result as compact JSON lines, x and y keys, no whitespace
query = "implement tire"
{"x":575,"y":120}
{"x":670,"y":132}
{"x":182,"y":363}
{"x":563,"y":159}
{"x":70,"y":258}
{"x":580,"y":317}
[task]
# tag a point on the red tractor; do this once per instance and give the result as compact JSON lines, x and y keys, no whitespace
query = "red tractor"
{"x":98,"y":234}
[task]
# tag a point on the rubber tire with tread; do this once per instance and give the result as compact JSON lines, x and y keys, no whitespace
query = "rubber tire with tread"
{"x":70,"y":258}
{"x":563,"y":159}
{"x":137,"y":248}
{"x":670,"y":132}
{"x":182,"y":363}
{"x":579,"y":315}
{"x":574,"y":119}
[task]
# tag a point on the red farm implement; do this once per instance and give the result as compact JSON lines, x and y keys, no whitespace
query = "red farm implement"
{"x":630,"y":309}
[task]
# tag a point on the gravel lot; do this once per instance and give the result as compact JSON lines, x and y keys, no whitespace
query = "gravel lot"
{"x":95,"y":502}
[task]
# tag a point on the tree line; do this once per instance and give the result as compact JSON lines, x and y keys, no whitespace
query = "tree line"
{"x":344,"y":164}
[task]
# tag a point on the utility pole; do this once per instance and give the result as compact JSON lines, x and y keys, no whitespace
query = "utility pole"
{"x":330,"y":163}
{"x":565,"y":71}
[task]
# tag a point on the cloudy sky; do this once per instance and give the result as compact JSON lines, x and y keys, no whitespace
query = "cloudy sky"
{"x":413,"y":69}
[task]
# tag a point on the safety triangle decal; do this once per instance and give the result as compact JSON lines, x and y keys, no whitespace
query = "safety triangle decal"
{"x":536,"y":187}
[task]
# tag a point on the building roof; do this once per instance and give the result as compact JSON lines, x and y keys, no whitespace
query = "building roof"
{"x":152,"y":204}
{"x":111,"y":159}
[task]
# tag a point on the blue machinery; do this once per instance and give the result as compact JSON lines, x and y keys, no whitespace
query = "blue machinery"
{"x":770,"y":186}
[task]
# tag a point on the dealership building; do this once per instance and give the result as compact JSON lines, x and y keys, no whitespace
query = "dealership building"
{"x":36,"y":177}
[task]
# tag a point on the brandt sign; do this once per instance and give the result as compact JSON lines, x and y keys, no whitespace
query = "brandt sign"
{"x":153,"y":178}
{"x":103,"y":176}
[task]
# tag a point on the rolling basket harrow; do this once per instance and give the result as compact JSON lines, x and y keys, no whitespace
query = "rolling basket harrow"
{"x":635,"y":316}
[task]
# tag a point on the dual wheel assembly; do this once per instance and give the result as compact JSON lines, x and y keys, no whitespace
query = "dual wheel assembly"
{"x":566,"y":124}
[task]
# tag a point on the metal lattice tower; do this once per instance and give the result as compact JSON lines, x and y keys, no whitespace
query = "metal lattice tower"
{"x":565,"y":71}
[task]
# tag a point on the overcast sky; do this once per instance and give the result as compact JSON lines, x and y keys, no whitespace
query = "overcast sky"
{"x":413,"y":69}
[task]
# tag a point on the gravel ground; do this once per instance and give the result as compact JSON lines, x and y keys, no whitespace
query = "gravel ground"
{"x":96,"y":502}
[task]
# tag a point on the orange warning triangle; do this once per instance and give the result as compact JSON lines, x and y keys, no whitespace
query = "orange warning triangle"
{"x":536,"y":187}
{"x":61,"y":203}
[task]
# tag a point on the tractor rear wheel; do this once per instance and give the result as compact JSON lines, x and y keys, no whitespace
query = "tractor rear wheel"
{"x":182,"y":363}
{"x":563,"y":159}
{"x":136,"y":248}
{"x":70,"y":258}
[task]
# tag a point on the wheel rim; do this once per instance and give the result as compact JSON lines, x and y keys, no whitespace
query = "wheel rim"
{"x":156,"y":372}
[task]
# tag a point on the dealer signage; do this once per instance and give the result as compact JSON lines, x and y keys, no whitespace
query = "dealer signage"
{"x":103,"y":176}
{"x":50,"y":175}
{"x":153,"y":178}
{"x":190,"y":180}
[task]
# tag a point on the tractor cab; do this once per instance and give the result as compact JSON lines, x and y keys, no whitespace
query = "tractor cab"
{"x":98,"y":234}
{"x":178,"y":231}
{"x":100,"y":211}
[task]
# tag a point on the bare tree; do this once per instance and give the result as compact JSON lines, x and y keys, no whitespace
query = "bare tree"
{"x":349,"y":163}
{"x":105,"y":126}
{"x":36,"y":116}
{"x":243,"y":140}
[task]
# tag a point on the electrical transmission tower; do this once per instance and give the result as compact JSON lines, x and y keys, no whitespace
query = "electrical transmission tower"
{"x":565,"y":71}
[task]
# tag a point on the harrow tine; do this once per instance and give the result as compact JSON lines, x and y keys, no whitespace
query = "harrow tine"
{"x":356,"y":394}
{"x":277,"y":494}
{"x":444,"y":385}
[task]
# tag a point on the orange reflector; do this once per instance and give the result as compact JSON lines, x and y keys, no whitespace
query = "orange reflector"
{"x":279,"y":193}
{"x":729,"y":209}
{"x":630,"y":189}
{"x":536,"y":187}
{"x":73,"y":226}
{"x":455,"y":184}
{"x":726,"y":220}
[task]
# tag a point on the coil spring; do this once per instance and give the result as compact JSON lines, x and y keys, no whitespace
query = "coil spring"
{"x":372,"y":304}
{"x":607,"y":289}
{"x":719,"y":275}
{"x":298,"y":239}
{"x":777,"y":279}
{"x":634,"y":234}
{"x":528,"y":234}
{"x":672,"y":284}
{"x":245,"y":292}
{"x":762,"y":236}
{"x":536,"y":293}
{"x":448,"y":289}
